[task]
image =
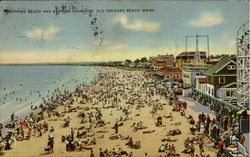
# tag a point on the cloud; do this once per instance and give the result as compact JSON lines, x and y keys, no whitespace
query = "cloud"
{"x":232,"y":43}
{"x":49,"y":33}
{"x":207,"y":19}
{"x":227,"y":35}
{"x":138,"y":25}
{"x":117,"y":47}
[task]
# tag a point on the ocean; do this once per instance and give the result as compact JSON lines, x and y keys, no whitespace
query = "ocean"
{"x":23,"y":86}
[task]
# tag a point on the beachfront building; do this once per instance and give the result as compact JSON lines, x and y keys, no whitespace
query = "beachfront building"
{"x":220,"y":82}
{"x":169,"y":60}
{"x":155,"y":64}
{"x":189,"y":78}
{"x":191,"y":67}
{"x":190,"y":58}
{"x":171,"y":75}
{"x":160,"y":62}
{"x":172,"y":78}
{"x":226,"y":92}
{"x":221,"y":74}
{"x":141,"y":65}
{"x":201,"y":83}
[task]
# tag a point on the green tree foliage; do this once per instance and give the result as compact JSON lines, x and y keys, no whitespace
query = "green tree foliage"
{"x":144,"y":60}
{"x":128,"y":61}
{"x":137,"y":61}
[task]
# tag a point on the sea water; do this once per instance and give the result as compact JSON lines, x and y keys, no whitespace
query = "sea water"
{"x":23,"y":86}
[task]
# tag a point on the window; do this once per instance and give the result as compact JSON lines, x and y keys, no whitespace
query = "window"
{"x":222,"y":80}
{"x":229,"y":93}
{"x":231,"y":67}
{"x":186,"y":75}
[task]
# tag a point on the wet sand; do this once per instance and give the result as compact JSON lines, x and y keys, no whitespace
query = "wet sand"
{"x":150,"y":143}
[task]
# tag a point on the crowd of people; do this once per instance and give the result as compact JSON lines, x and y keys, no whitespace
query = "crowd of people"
{"x":103,"y":111}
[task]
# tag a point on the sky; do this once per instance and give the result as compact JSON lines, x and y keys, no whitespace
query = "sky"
{"x":70,"y":37}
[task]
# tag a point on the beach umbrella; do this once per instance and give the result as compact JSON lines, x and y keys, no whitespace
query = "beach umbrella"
{"x":24,"y":123}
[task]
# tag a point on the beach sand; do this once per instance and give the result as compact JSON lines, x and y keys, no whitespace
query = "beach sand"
{"x":150,"y":143}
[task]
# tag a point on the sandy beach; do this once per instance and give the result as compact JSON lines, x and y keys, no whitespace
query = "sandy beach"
{"x":122,"y":97}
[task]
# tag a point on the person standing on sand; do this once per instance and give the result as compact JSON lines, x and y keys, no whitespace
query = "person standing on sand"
{"x":192,"y":151}
{"x":51,"y":141}
{"x":51,"y":145}
{"x":201,"y":145}
{"x":116,"y":127}
{"x":130,"y":154}
{"x":12,"y":117}
{"x":22,"y":132}
{"x":92,"y":153}
{"x":72,"y":134}
{"x":101,"y":153}
{"x":1,"y":136}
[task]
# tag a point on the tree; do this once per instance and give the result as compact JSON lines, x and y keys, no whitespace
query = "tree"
{"x":128,"y":61}
{"x":144,"y":59}
{"x":137,"y":61}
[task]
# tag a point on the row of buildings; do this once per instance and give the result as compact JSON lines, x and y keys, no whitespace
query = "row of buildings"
{"x":213,"y":80}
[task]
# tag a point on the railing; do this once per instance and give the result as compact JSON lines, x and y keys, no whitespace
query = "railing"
{"x":219,"y":100}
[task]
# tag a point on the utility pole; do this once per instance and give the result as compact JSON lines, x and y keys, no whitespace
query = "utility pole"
{"x":197,"y":53}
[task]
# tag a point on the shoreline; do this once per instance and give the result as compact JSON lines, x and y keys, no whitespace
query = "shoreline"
{"x":26,"y":113}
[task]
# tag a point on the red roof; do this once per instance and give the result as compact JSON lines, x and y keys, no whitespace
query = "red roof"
{"x":191,"y":53}
{"x":170,"y":70}
{"x":202,"y":80}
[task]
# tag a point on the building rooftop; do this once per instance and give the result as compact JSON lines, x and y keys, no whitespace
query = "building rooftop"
{"x":191,"y":53}
{"x":213,"y":70}
{"x":170,"y":70}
